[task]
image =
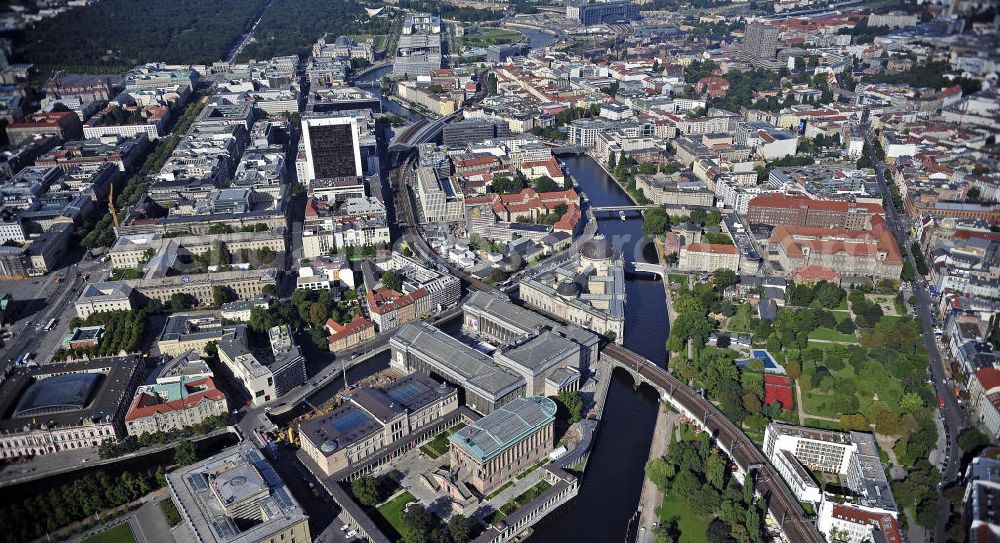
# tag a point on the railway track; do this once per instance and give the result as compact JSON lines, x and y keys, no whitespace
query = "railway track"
{"x":780,"y":501}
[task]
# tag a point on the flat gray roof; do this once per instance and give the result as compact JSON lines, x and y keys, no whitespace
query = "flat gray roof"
{"x":471,"y":367}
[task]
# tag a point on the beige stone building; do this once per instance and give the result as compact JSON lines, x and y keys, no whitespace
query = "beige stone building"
{"x":708,"y":257}
{"x":376,"y":418}
{"x":499,"y":446}
{"x":588,"y":290}
{"x":236,"y":496}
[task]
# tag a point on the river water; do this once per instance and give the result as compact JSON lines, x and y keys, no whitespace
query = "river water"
{"x":609,"y":493}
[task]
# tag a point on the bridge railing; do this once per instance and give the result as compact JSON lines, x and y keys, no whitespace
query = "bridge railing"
{"x":782,"y":504}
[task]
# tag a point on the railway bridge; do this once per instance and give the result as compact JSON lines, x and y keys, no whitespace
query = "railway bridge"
{"x":746,"y":457}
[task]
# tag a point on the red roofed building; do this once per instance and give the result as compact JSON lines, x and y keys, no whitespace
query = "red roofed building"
{"x":390,"y":309}
{"x":716,"y":86}
{"x":173,"y":405}
{"x":345,"y":336}
{"x":777,"y":388}
{"x":857,"y":524}
{"x":64,"y":124}
{"x":798,"y":210}
{"x":709,"y":257}
{"x":570,"y":222}
{"x":549,"y":168}
{"x":532,"y":204}
{"x":865,"y":253}
{"x":815,"y":274}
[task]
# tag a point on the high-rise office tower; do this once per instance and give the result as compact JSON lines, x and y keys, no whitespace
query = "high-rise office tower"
{"x":760,"y":41}
{"x":332,"y":147}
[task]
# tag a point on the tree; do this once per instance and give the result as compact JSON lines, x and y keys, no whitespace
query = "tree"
{"x":366,"y":490}
{"x":845,"y":326}
{"x":655,"y":222}
{"x":911,"y":403}
{"x":973,"y":193}
{"x":219,"y":228}
{"x":222,"y":295}
{"x":545,"y":184}
{"x":659,"y":471}
{"x":793,"y":369}
{"x":417,"y":522}
{"x":318,"y":313}
{"x":907,"y":273}
{"x":459,"y":528}
{"x":573,"y":404}
{"x":611,"y":161}
{"x":667,"y":532}
{"x":715,"y":469}
{"x":723,"y":278}
{"x":718,"y":532}
{"x":971,"y":440}
{"x":186,"y":453}
{"x":178,"y":301}
{"x":391,"y":281}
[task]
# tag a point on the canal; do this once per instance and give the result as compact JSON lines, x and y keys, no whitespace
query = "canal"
{"x":609,"y":494}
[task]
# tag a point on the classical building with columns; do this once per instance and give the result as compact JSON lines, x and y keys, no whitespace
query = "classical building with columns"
{"x":504,"y":443}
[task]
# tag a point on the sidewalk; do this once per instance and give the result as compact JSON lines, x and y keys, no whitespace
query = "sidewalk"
{"x":649,"y":500}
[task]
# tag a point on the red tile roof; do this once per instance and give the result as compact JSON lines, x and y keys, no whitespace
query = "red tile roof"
{"x":145,"y":404}
{"x":989,"y":378}
{"x":883,"y":521}
{"x":339,"y":331}
{"x":777,"y":388}
{"x":855,"y":243}
{"x":383,"y":300}
{"x":714,"y":248}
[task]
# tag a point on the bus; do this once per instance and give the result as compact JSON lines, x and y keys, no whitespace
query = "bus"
{"x":23,"y":359}
{"x":51,"y":324}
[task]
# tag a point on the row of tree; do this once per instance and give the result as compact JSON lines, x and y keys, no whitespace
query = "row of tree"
{"x":122,"y":332}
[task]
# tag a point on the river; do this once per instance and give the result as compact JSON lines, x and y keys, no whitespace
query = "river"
{"x":609,"y":493}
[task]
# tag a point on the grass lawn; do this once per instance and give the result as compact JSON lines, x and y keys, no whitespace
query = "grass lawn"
{"x":439,"y":445}
{"x":121,"y":533}
{"x":677,"y":278}
{"x":491,"y":36}
{"x":518,"y":502}
{"x":841,"y":316}
{"x":740,"y":322}
{"x":391,"y":516}
{"x":497,"y":492}
{"x":827,"y":334}
{"x":692,"y":525}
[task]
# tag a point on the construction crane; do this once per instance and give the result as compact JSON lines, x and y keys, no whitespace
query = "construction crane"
{"x":111,"y":205}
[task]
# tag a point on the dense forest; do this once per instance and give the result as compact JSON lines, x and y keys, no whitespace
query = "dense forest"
{"x":290,"y":27}
{"x":118,"y":34}
{"x":448,"y":11}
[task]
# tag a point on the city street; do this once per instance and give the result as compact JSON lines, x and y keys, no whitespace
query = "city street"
{"x":40,"y":299}
{"x":953,"y":415}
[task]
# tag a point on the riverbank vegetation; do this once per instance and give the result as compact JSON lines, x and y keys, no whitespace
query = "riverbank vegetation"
{"x":703,"y":500}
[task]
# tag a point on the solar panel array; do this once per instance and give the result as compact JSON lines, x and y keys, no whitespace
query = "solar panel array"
{"x":198,"y":482}
{"x":349,"y":421}
{"x":406,"y":392}
{"x":282,"y":497}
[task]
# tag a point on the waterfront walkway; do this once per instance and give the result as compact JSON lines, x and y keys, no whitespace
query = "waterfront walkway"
{"x":649,"y":500}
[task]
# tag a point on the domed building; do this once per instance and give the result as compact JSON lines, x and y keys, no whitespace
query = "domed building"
{"x":587,"y":290}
